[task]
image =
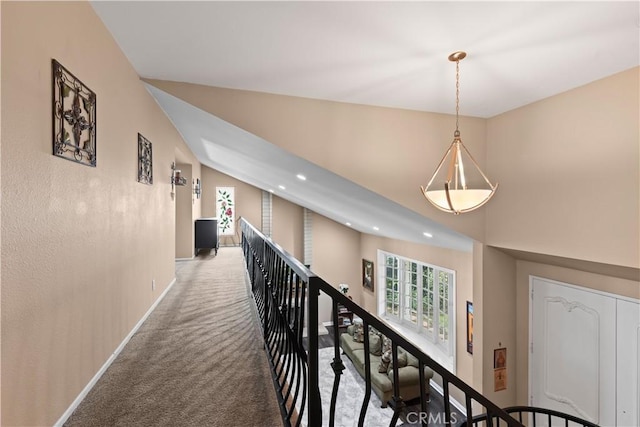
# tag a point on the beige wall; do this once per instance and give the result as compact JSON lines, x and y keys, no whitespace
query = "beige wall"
{"x":569,"y":175}
{"x":406,"y":145}
{"x":336,"y":259}
{"x":498,"y":316}
{"x":287,"y":226}
{"x":478,"y":316}
{"x":248,"y":200}
{"x":188,"y":207}
{"x":184,"y":214}
{"x":80,"y":245}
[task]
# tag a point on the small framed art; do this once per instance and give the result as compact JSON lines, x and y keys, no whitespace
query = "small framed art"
{"x":145,"y":161}
{"x":367,"y":274}
{"x":469,"y":327}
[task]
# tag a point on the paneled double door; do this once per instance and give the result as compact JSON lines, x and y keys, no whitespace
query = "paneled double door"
{"x":584,"y":356}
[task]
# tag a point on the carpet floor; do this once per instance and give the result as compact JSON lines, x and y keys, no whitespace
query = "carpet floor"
{"x":198,"y":360}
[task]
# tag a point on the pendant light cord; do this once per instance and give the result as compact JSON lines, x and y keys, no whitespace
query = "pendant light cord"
{"x":457,"y":132}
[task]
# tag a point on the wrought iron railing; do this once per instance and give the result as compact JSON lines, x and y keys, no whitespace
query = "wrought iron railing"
{"x":286,"y":295}
{"x":533,"y":417}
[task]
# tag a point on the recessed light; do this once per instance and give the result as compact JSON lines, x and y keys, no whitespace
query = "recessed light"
{"x":348,"y":224}
{"x":271,"y":190}
{"x":429,"y":235}
{"x":376,"y":228}
{"x":282,"y":187}
{"x":301,"y":177}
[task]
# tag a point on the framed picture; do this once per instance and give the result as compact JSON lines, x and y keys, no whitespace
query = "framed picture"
{"x":226,"y":208}
{"x":499,"y":358}
{"x":469,"y":327}
{"x":499,"y":379}
{"x":145,"y":161}
{"x":74,"y":117}
{"x":367,"y":274}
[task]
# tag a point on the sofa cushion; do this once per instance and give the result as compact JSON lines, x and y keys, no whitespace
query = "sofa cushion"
{"x":411,"y":359}
{"x":359,"y":358}
{"x":380,"y":380}
{"x":358,"y":332}
{"x":350,"y":330}
{"x":375,"y":344}
{"x":407,"y":375}
{"x":349,"y":345}
{"x":385,"y":358}
{"x":402,"y":360}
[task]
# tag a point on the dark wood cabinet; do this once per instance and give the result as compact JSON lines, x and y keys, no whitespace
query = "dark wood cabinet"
{"x":206,"y":234}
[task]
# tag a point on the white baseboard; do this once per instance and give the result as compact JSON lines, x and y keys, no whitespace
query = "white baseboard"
{"x":109,"y":361}
{"x":186,"y":259}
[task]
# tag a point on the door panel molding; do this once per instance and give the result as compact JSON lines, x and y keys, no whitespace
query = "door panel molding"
{"x":553,"y":390}
{"x":572,"y":350}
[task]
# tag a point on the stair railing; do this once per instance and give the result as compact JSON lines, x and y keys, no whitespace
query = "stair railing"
{"x":534,"y":417}
{"x":283,"y":287}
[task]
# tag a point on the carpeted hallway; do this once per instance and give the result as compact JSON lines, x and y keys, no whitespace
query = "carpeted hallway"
{"x":198,"y":360}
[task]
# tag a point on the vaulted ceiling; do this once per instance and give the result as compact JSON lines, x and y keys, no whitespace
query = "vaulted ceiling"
{"x":391,"y":54}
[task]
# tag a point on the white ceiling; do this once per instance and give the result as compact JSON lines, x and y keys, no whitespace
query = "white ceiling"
{"x":381,"y":53}
{"x":390,"y":54}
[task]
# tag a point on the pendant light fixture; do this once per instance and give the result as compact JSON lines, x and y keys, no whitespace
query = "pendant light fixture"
{"x":460,"y":192}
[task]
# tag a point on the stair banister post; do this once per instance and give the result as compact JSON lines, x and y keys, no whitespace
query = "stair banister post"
{"x":315,"y":406}
{"x":265,"y":289}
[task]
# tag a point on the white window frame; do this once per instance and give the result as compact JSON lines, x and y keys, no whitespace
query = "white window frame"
{"x":431,"y":340}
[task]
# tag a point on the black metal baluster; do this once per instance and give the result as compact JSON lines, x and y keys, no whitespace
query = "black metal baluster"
{"x":397,"y":403}
{"x":265,"y":290}
{"x":469,"y":409}
{"x":337,"y":366}
{"x":290,"y":337}
{"x":447,"y":403}
{"x":315,"y":405}
{"x":423,"y":399}
{"x":303,"y":401}
{"x":367,"y":377}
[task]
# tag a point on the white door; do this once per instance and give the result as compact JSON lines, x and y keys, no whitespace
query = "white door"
{"x":573,"y":351}
{"x":628,"y":366}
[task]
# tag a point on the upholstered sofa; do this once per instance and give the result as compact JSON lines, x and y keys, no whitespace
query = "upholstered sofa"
{"x":382,"y":383}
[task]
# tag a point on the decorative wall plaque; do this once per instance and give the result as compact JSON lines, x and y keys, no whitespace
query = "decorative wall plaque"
{"x":145,"y":162}
{"x":74,"y":117}
{"x":225,"y":206}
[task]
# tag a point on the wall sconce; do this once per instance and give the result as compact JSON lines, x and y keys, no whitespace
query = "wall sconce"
{"x":196,"y":188}
{"x":176,"y":178}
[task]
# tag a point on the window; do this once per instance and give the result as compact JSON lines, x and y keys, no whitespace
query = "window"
{"x":419,"y":296}
{"x":393,"y":287}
